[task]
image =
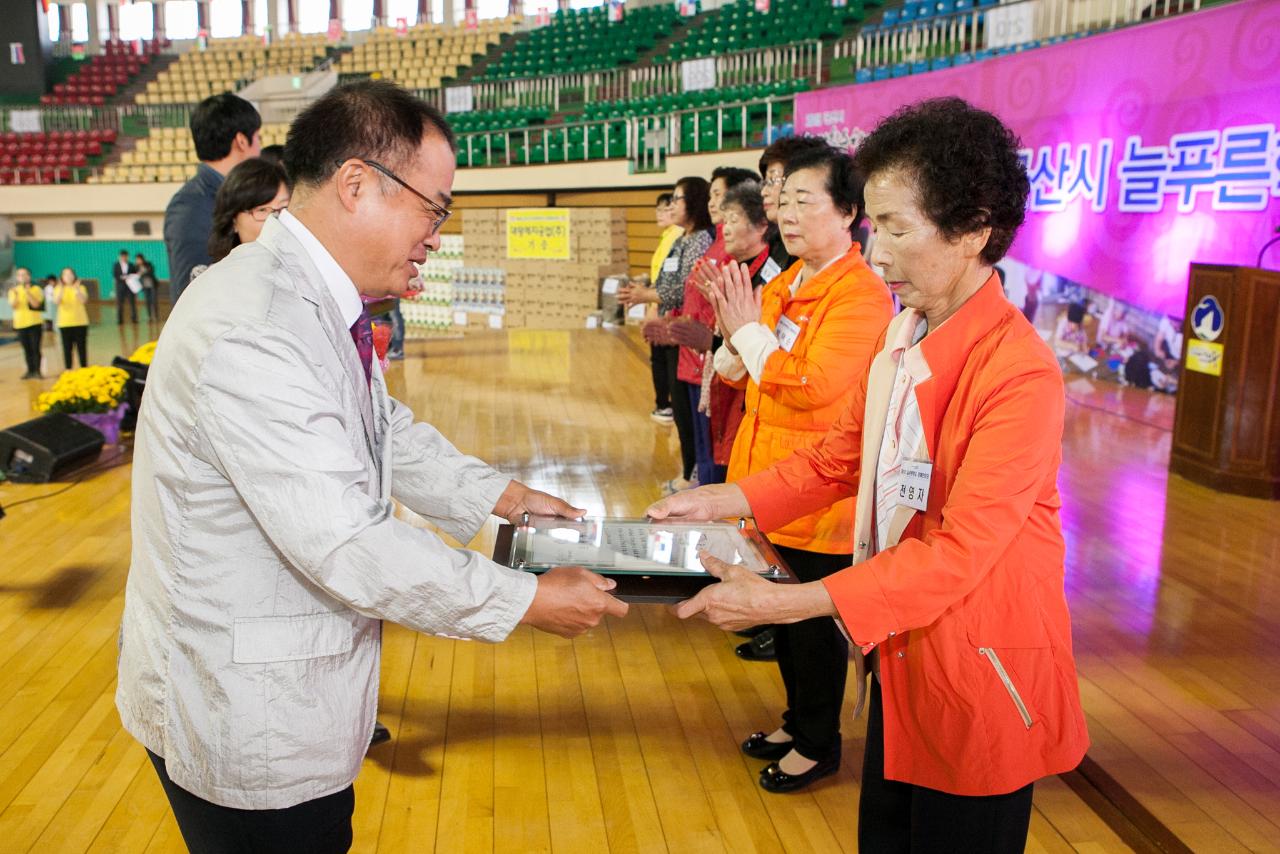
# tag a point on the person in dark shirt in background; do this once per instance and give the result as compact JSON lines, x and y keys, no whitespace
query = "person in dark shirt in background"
{"x":147,"y":277}
{"x":226,"y":130}
{"x":121,"y":270}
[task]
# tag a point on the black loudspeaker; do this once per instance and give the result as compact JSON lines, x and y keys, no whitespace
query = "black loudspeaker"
{"x":133,"y":390}
{"x":38,"y":451}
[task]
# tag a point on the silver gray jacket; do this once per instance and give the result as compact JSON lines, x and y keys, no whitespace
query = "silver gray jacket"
{"x":265,"y":550}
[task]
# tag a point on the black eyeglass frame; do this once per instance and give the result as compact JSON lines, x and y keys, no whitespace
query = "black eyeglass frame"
{"x":442,"y":212}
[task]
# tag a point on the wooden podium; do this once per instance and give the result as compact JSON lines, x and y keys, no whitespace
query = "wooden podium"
{"x":1226,"y":432}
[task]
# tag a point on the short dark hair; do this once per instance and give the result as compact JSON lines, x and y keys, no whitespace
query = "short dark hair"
{"x":252,"y":183}
{"x":369,"y":118}
{"x":663,"y":199}
{"x":124,"y":251}
{"x":215,"y":122}
{"x":746,"y":197}
{"x":964,"y":163}
{"x":732,"y":175}
{"x":697,"y":193}
{"x":844,"y":184}
{"x":274,"y":153}
{"x":782,"y":150}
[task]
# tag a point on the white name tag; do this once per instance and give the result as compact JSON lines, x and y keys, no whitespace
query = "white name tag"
{"x":671,"y":265}
{"x":770,"y":270}
{"x":913,"y":490}
{"x":787,"y":331}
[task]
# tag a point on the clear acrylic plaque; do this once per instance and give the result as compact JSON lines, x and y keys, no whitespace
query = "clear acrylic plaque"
{"x":639,"y":546}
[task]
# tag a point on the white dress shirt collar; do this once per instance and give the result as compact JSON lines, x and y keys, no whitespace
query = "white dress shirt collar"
{"x":335,"y":279}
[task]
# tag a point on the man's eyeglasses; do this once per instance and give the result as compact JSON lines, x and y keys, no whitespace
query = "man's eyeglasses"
{"x":442,"y":213}
{"x":675,"y":199}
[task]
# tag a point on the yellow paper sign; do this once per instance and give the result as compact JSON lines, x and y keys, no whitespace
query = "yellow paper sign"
{"x":538,"y":233}
{"x":1204,"y":357}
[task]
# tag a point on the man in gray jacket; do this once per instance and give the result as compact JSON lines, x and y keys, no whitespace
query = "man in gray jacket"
{"x":265,"y":548}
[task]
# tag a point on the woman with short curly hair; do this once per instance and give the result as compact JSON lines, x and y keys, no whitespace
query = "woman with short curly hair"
{"x":952,"y":444}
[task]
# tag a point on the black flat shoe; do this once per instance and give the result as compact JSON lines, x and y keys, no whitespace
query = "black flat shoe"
{"x":752,"y":632}
{"x":380,"y":734}
{"x":774,"y":779}
{"x":758,"y":746}
{"x":759,"y":648}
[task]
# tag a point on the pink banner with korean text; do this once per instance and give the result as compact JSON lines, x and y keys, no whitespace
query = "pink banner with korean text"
{"x":1147,"y":148}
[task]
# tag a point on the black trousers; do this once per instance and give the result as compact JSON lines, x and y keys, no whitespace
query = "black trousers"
{"x":813,"y":658}
{"x":123,"y":295}
{"x":682,"y":413}
{"x":30,"y":338}
{"x":321,"y":826}
{"x":149,"y":295}
{"x":77,"y":337}
{"x":658,"y":367}
{"x":897,"y":818}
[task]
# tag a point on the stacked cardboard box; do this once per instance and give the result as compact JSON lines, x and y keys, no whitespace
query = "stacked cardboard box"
{"x":552,"y":294}
{"x":484,"y":233}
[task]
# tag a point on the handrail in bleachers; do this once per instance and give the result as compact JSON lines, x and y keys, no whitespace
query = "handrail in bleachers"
{"x":645,"y":140}
{"x":802,"y":61}
{"x":922,"y":31}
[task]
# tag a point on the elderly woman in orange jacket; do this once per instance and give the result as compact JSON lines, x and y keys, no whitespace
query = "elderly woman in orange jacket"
{"x":797,"y":346}
{"x":952,"y":442}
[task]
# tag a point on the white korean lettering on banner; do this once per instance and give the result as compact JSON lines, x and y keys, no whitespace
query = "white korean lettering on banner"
{"x":1238,"y":168}
{"x":1059,"y":177}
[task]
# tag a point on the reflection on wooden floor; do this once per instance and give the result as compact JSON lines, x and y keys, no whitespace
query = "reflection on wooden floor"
{"x":626,"y":740}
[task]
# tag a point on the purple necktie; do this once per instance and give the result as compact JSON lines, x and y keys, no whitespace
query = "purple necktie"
{"x":362,"y":334}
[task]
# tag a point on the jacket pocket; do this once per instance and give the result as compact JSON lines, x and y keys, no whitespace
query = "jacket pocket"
{"x":260,"y":640}
{"x":1008,"y":684}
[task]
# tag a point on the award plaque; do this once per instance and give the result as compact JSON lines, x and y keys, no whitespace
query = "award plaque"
{"x":651,"y":561}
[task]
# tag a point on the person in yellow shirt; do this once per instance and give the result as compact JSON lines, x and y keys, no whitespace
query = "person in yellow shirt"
{"x":670,"y":231}
{"x":71,"y":297}
{"x":27,"y":301}
{"x":662,"y":412}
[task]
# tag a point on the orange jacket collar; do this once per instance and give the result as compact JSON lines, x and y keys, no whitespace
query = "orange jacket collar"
{"x":817,"y":287}
{"x":947,"y":348}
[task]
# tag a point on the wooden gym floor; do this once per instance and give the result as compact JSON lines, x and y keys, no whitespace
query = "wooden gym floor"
{"x":626,"y":739}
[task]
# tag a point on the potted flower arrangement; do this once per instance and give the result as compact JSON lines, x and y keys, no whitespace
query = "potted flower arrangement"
{"x":144,"y":354}
{"x":92,"y":395}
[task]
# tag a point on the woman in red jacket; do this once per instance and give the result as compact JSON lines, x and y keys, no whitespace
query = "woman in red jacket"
{"x":952,"y":444}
